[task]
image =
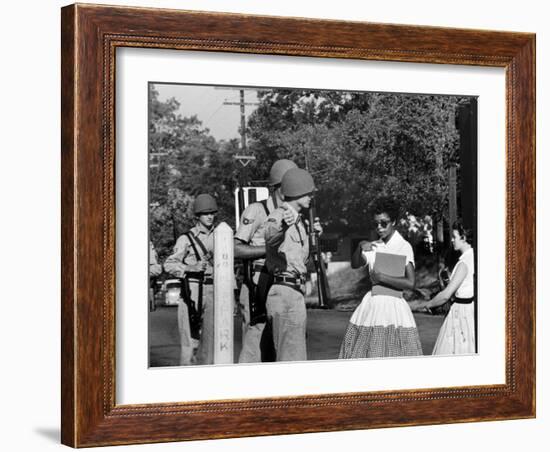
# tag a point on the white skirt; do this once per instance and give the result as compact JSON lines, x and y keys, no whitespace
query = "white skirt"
{"x":457,"y":334}
{"x":381,"y":326}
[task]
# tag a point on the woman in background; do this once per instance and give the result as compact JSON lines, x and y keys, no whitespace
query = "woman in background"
{"x":457,"y":334}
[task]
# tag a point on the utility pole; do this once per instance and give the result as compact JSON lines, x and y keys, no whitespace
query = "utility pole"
{"x":243,"y":158}
{"x":242,"y":104}
{"x":243,"y":121}
{"x":155,"y":162}
{"x":452,"y":198}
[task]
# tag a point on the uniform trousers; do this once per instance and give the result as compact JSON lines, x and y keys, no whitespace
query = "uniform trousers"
{"x":205,"y":345}
{"x":257,"y":340}
{"x":286,"y":311}
{"x":251,"y":334}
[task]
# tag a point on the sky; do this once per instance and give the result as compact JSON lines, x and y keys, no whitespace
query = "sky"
{"x":207,"y":103}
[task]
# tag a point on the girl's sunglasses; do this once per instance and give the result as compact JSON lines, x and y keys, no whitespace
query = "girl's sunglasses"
{"x":383,"y":223}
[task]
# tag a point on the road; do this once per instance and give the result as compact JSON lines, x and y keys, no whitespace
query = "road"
{"x":325,"y":330}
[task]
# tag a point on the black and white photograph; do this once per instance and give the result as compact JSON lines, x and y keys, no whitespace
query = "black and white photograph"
{"x":131,"y":130}
{"x":293,"y":224}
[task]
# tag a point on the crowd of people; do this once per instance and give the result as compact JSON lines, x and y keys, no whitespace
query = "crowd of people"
{"x":272,"y":238}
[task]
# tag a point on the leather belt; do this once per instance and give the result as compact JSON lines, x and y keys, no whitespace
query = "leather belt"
{"x":208,"y":281}
{"x":258,"y":268}
{"x":296,"y":287}
{"x":464,"y":300}
{"x":289,"y":280}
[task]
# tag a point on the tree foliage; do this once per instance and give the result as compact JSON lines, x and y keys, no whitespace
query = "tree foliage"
{"x":187,"y":161}
{"x":358,"y":146}
{"x":362,"y":146}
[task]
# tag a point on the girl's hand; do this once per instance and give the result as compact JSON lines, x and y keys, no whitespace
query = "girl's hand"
{"x":365,"y":246}
{"x":417,"y":305}
{"x":420,"y":306}
{"x":375,"y":276}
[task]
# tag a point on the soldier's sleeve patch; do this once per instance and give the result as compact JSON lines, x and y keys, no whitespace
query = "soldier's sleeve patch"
{"x":272,"y":220}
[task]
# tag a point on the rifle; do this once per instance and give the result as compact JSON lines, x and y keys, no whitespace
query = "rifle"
{"x":257,"y":310}
{"x":258,"y":297}
{"x":323,"y":288}
{"x":152,"y":286}
{"x":194,"y":313}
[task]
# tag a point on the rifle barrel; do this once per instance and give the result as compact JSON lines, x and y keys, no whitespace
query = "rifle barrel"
{"x":318,"y":261}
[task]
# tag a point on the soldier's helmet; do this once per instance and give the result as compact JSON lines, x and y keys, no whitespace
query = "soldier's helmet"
{"x":297,"y":182}
{"x":204,"y":204}
{"x":278,"y":170}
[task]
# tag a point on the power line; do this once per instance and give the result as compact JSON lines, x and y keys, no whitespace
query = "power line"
{"x":216,"y":111}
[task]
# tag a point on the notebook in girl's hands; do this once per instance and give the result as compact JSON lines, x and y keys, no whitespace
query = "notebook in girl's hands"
{"x":392,"y":265}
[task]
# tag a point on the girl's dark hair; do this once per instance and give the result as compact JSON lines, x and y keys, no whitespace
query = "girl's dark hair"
{"x":464,"y":232}
{"x":386,"y":205}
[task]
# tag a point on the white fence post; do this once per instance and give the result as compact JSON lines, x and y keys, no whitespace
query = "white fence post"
{"x":224,"y":278}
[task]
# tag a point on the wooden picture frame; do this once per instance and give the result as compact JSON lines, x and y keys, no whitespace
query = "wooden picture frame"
{"x":90,"y":36}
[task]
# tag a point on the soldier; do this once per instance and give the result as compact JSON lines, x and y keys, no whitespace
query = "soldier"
{"x":287,"y":251}
{"x":250,"y":245}
{"x":192,"y":262}
{"x":155,"y":269}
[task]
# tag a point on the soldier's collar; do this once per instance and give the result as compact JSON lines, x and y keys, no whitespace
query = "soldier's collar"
{"x":293,"y":210}
{"x":202,"y":228}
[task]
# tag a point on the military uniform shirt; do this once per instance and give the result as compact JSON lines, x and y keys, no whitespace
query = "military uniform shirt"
{"x":184,"y":255}
{"x":287,"y":247}
{"x":252,"y":225}
{"x":155,"y":269}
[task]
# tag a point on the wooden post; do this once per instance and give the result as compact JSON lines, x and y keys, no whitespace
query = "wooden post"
{"x":439,"y":231}
{"x":452,"y":198}
{"x":223,"y":294}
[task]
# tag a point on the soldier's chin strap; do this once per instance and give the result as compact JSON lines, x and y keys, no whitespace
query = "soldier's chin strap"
{"x":264,"y":205}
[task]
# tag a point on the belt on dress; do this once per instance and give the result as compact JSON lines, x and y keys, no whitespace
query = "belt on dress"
{"x":464,"y":300}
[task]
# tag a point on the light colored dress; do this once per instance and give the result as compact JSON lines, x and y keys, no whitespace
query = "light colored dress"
{"x":457,"y":334}
{"x":382,"y":325}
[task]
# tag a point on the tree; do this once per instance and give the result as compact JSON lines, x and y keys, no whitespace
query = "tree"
{"x":361,"y":146}
{"x":186,"y":161}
